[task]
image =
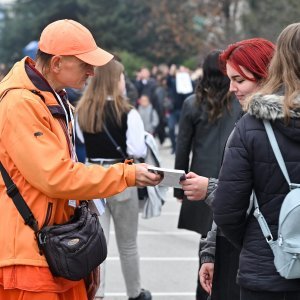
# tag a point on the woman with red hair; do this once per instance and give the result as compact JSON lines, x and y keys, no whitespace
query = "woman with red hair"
{"x":246,"y":64}
{"x":250,"y":165}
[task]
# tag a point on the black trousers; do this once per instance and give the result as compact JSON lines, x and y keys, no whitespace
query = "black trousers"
{"x":253,"y":295}
{"x":224,"y":285}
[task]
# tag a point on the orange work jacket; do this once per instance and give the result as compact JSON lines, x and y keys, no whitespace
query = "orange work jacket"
{"x":35,"y":152}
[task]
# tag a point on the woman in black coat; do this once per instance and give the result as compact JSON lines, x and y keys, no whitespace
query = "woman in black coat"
{"x":207,"y":118}
{"x":249,"y":164}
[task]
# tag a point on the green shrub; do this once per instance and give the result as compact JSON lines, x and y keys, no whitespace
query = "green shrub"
{"x":132,"y":62}
{"x":191,"y":63}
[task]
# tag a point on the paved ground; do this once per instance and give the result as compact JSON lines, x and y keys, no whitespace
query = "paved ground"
{"x":169,"y":259}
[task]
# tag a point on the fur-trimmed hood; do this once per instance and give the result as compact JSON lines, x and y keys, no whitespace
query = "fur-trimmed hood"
{"x":269,"y":107}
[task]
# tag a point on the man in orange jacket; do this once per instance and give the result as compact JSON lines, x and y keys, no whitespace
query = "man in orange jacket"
{"x":36,"y":149}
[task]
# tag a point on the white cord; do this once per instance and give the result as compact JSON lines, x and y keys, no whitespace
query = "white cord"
{"x":73,"y":150}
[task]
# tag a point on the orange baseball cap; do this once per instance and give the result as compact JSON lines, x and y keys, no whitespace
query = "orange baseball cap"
{"x":68,"y":37}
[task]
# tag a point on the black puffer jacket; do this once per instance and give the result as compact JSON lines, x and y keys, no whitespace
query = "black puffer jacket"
{"x":249,"y":163}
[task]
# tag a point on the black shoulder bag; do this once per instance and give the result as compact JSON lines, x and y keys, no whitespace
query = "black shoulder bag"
{"x":73,"y":249}
{"x":118,"y":148}
{"x":142,"y":192}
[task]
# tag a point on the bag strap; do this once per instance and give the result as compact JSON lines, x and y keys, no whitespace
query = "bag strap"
{"x":118,"y":148}
{"x":276,"y":150}
{"x":14,"y":193}
{"x":257,"y":213}
{"x":262,"y":221}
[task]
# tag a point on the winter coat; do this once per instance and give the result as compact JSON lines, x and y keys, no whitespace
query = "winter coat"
{"x":249,"y":163}
{"x":206,"y":141}
{"x":35,"y":150}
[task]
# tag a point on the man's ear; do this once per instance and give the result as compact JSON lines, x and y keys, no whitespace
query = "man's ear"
{"x":55,"y":63}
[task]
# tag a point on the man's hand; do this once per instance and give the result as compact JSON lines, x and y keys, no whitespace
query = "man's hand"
{"x":145,"y":178}
{"x":194,"y":186}
{"x":206,"y":274}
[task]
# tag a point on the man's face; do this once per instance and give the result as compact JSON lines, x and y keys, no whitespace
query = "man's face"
{"x":72,"y":73}
{"x":145,"y":74}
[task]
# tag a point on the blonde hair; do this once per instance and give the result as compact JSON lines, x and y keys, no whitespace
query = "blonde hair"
{"x":284,"y":70}
{"x":104,"y":85}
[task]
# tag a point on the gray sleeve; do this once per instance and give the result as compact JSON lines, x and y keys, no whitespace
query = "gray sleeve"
{"x":208,"y":246}
{"x":211,"y":189}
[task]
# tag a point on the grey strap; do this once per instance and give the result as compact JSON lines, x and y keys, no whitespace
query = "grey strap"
{"x":262,"y":221}
{"x":276,"y":150}
{"x":257,"y":213}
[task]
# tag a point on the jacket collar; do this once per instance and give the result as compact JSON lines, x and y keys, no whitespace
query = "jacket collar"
{"x":270,"y":107}
{"x":42,"y":84}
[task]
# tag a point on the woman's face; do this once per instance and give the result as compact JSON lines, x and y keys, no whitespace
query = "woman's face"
{"x":240,"y":85}
{"x":122,"y":86}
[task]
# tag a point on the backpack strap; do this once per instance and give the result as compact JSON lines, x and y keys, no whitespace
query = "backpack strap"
{"x":262,"y":221}
{"x":257,"y":213}
{"x":276,"y":151}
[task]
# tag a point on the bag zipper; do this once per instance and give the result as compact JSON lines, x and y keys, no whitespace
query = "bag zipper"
{"x":48,"y":214}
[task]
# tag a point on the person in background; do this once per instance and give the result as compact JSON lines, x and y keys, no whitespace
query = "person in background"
{"x":207,"y":118}
{"x":250,"y":165}
{"x":130,"y":90}
{"x":145,"y":84}
{"x":101,"y":106}
{"x":180,"y":87}
{"x":161,"y":96}
{"x":170,"y":106}
{"x":148,"y":114}
{"x":246,"y":64}
{"x":38,"y":153}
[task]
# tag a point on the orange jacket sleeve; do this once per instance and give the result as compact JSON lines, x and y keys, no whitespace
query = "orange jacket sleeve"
{"x":43,"y":159}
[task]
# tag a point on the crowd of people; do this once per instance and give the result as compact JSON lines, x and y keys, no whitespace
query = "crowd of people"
{"x":221,"y":144}
{"x":166,"y":88}
{"x":158,"y":95}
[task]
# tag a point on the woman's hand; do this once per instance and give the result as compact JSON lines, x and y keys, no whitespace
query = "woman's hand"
{"x":145,"y":178}
{"x":194,"y":186}
{"x":206,"y":274}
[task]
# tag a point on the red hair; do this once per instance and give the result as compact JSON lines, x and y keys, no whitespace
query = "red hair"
{"x":253,"y":54}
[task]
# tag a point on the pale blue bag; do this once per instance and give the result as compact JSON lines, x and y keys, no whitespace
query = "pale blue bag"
{"x":286,"y":248}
